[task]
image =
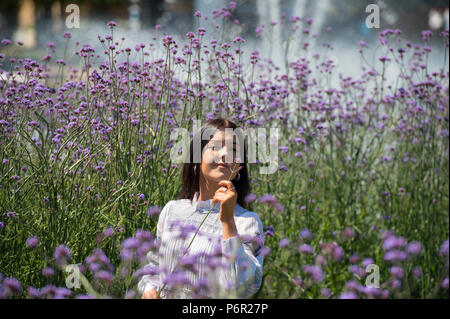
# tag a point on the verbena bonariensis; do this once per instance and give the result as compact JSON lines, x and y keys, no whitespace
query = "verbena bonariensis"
{"x":363,"y":161}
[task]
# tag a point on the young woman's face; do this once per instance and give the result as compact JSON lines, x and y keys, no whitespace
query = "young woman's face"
{"x":220,"y":157}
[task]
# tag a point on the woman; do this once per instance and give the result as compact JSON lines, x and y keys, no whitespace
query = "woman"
{"x":237,"y":232}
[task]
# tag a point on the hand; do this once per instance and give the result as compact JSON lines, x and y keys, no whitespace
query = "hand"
{"x":227,"y":196}
{"x":150,"y":294}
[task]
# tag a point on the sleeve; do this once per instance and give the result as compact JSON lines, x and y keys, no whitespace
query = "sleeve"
{"x":148,"y":282}
{"x":242,"y":277}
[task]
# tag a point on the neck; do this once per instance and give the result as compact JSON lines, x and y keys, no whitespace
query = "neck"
{"x":207,"y":189}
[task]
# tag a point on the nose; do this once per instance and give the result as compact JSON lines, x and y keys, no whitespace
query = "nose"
{"x":223,"y":155}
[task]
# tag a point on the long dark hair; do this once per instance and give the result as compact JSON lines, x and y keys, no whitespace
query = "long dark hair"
{"x":191,"y":170}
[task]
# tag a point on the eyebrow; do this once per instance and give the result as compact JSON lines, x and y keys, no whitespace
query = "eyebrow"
{"x":215,"y":141}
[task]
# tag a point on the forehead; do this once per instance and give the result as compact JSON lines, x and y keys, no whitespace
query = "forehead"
{"x":222,"y":135}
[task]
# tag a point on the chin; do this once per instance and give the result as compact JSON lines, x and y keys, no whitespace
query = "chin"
{"x":218,"y":176}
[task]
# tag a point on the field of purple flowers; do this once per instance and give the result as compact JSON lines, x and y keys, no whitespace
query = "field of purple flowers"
{"x":363,"y":175}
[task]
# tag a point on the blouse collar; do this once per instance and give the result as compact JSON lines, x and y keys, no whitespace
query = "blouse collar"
{"x":206,"y":204}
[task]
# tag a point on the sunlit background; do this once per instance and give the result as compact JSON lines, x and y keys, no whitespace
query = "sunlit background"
{"x":339,"y":23}
{"x":36,"y":21}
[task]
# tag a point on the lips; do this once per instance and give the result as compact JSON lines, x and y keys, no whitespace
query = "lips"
{"x":223,"y":165}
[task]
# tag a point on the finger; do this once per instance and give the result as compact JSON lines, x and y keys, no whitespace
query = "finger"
{"x":215,"y":199}
{"x":219,"y":197}
{"x":230,"y":187}
{"x":225,"y":192}
{"x":222,"y":189}
{"x":227,"y":184}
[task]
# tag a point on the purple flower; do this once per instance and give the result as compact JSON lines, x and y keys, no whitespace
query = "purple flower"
{"x":33,"y":293}
{"x":315,"y":271}
{"x":320,"y":260}
{"x":338,"y":253}
{"x":325,"y":292}
{"x":353,"y":285}
{"x":126,"y":254}
{"x":397,"y":272}
{"x":395,"y":255}
{"x":270,"y":199}
{"x":11,"y":215}
{"x":32,"y":242}
{"x":354,"y":258}
{"x":348,"y":295}
{"x":367,"y":261}
{"x":414,"y":248}
{"x":354,"y":269}
{"x":426,"y":35}
{"x":284,"y":243}
{"x":393,"y":242}
{"x":265,"y":251}
{"x":48,"y":272}
{"x":445,"y":283}
{"x":297,"y":281}
{"x":147,"y":270}
{"x":417,"y":272}
{"x":62,"y":293}
{"x":130,"y":243}
{"x":94,"y":267}
{"x":83,"y":296}
{"x":268,"y":231}
{"x":371,"y":291}
{"x":348,"y":233}
{"x":305,"y":249}
{"x":363,"y":44}
{"x":306,"y":234}
{"x":284,"y":149}
{"x":97,"y":260}
{"x":11,"y":286}
{"x":6,"y":42}
{"x":108,"y":232}
{"x":141,"y":196}
{"x":267,"y":198}
{"x":396,"y":284}
{"x":443,"y":251}
{"x":175,"y":279}
{"x":104,"y":275}
{"x":62,"y":254}
{"x":232,"y":5}
{"x":250,"y":198}
{"x":144,"y":235}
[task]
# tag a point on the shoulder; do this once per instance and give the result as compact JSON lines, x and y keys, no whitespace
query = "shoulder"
{"x":240,"y":211}
{"x":177,"y":208}
{"x":176,"y":203}
{"x":247,"y":217}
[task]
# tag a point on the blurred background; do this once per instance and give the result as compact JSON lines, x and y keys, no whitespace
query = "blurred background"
{"x":36,"y":22}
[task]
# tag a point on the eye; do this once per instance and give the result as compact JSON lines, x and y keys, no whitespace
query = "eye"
{"x":214,"y":147}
